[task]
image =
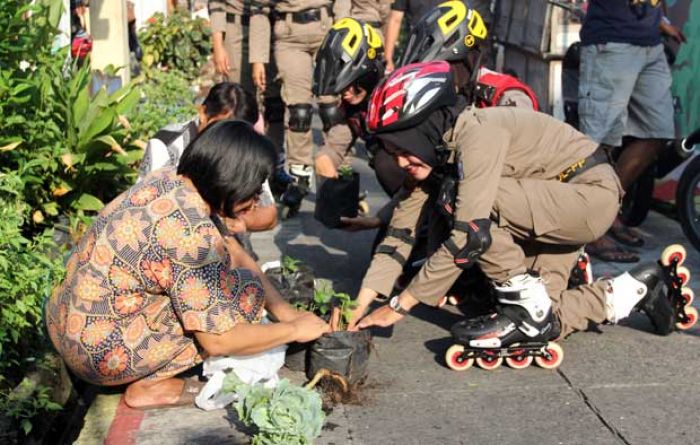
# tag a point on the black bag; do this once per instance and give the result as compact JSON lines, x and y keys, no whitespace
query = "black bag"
{"x":336,"y":198}
{"x":297,"y":356}
{"x":344,"y":352}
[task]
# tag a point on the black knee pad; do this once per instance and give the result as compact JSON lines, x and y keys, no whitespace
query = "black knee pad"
{"x":300,"y":117}
{"x":330,"y":114}
{"x":274,"y":109}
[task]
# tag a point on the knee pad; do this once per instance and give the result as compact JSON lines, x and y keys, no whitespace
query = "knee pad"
{"x":300,"y":117}
{"x":330,"y":114}
{"x":478,"y":241}
{"x":274,"y":109}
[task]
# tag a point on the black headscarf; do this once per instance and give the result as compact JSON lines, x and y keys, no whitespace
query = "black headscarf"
{"x":422,"y":140}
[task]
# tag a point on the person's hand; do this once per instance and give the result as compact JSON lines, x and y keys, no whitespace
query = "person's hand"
{"x":382,"y":317}
{"x":359,"y":223}
{"x":308,"y":327}
{"x":221,"y":61}
{"x":673,"y":32}
{"x":258,"y":74}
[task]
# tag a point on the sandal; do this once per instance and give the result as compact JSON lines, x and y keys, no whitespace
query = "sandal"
{"x":190,"y":390}
{"x":626,"y":235}
{"x":607,"y":250}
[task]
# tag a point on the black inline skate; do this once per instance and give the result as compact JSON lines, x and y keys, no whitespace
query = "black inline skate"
{"x":519,"y":332}
{"x":667,"y":301}
{"x":296,"y":190}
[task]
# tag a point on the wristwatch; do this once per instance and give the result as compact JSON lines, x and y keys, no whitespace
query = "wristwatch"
{"x":395,"y":304}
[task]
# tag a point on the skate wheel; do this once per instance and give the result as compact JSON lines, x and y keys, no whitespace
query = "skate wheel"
{"x":673,"y":252}
{"x":442,"y":301}
{"x":363,"y":208}
{"x":692,"y":314}
{"x":489,"y":363}
{"x":454,"y":360}
{"x":684,"y":274}
{"x":556,"y":354}
{"x":687,"y":295}
{"x":521,"y":361}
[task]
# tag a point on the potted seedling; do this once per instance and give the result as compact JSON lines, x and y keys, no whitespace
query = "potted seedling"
{"x":342,"y":352}
{"x":338,"y":197}
{"x":293,"y":279}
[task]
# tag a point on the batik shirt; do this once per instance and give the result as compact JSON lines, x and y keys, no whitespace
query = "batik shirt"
{"x":150,"y":272}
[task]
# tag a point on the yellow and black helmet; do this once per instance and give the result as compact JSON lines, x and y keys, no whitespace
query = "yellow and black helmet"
{"x":447,"y":32}
{"x":352,"y":53}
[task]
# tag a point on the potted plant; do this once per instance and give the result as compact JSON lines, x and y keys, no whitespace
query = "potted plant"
{"x":342,"y":352}
{"x":338,"y":197}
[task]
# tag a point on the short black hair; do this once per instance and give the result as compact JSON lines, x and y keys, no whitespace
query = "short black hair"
{"x":228,"y":163}
{"x":225,"y":97}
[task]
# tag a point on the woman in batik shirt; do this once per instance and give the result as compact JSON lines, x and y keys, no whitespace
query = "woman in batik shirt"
{"x":153,"y":288}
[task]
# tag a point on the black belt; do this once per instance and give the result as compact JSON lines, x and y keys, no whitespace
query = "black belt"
{"x":599,"y":156}
{"x":238,"y":18}
{"x":303,"y":17}
{"x":375,"y":25}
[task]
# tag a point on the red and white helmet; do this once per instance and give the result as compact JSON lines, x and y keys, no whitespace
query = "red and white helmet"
{"x":409,"y":95}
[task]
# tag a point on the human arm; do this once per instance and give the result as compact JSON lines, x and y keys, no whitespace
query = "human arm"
{"x":217,"y":17}
{"x":259,"y":44}
{"x":393,"y":27}
{"x":388,"y":260}
{"x":668,"y":28}
{"x":247,"y":338}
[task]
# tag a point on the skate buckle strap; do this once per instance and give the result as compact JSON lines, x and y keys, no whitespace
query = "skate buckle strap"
{"x":402,"y":234}
{"x":599,"y":156}
{"x":392,"y":252}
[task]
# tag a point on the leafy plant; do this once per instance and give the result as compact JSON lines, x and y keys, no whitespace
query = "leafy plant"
{"x":326,"y":300}
{"x":346,"y":172}
{"x":72,"y":151}
{"x":26,"y":402}
{"x":177,"y":42}
{"x":166,"y":98}
{"x":290,"y":266}
{"x":28,"y":271}
{"x":286,"y":414}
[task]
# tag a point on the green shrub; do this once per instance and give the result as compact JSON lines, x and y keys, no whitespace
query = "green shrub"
{"x":29,"y":269}
{"x":72,"y":151}
{"x":176,"y":43}
{"x":166,"y":98}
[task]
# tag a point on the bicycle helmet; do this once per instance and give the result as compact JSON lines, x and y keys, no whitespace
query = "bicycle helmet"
{"x":410,"y":95}
{"x":351,"y":54}
{"x":447,"y":32}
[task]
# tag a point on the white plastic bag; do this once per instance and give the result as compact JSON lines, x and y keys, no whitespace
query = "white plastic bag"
{"x":250,"y":369}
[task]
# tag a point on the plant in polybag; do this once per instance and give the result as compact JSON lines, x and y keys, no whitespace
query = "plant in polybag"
{"x":286,"y":414}
{"x":338,"y":197}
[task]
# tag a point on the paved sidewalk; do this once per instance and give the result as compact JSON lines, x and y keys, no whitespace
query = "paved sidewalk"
{"x":617,"y":385}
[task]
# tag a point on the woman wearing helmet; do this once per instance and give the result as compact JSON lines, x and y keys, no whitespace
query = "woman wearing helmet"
{"x":531,"y":190}
{"x":455,"y":33}
{"x":350,"y":64}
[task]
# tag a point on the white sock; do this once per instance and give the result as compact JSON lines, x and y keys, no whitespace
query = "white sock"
{"x":622,"y":296}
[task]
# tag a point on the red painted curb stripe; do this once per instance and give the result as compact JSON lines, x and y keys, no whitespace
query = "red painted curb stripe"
{"x":125,"y":425}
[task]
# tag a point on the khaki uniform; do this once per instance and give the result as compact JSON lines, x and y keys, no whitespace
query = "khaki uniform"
{"x":374,"y":12}
{"x":537,"y":222}
{"x":295,"y":46}
{"x":231,"y":17}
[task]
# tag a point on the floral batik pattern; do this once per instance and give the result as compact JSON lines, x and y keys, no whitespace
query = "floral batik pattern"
{"x":150,"y":272}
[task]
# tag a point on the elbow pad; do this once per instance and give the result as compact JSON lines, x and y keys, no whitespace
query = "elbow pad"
{"x":478,"y":242}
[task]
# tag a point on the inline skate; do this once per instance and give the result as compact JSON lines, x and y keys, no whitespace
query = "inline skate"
{"x":519,"y":332}
{"x":296,"y":190}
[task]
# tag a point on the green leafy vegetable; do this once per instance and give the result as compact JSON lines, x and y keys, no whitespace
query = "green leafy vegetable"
{"x":287,"y":414}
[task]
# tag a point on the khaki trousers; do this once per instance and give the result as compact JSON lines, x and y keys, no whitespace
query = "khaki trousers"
{"x":295,"y":48}
{"x":582,"y":211}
